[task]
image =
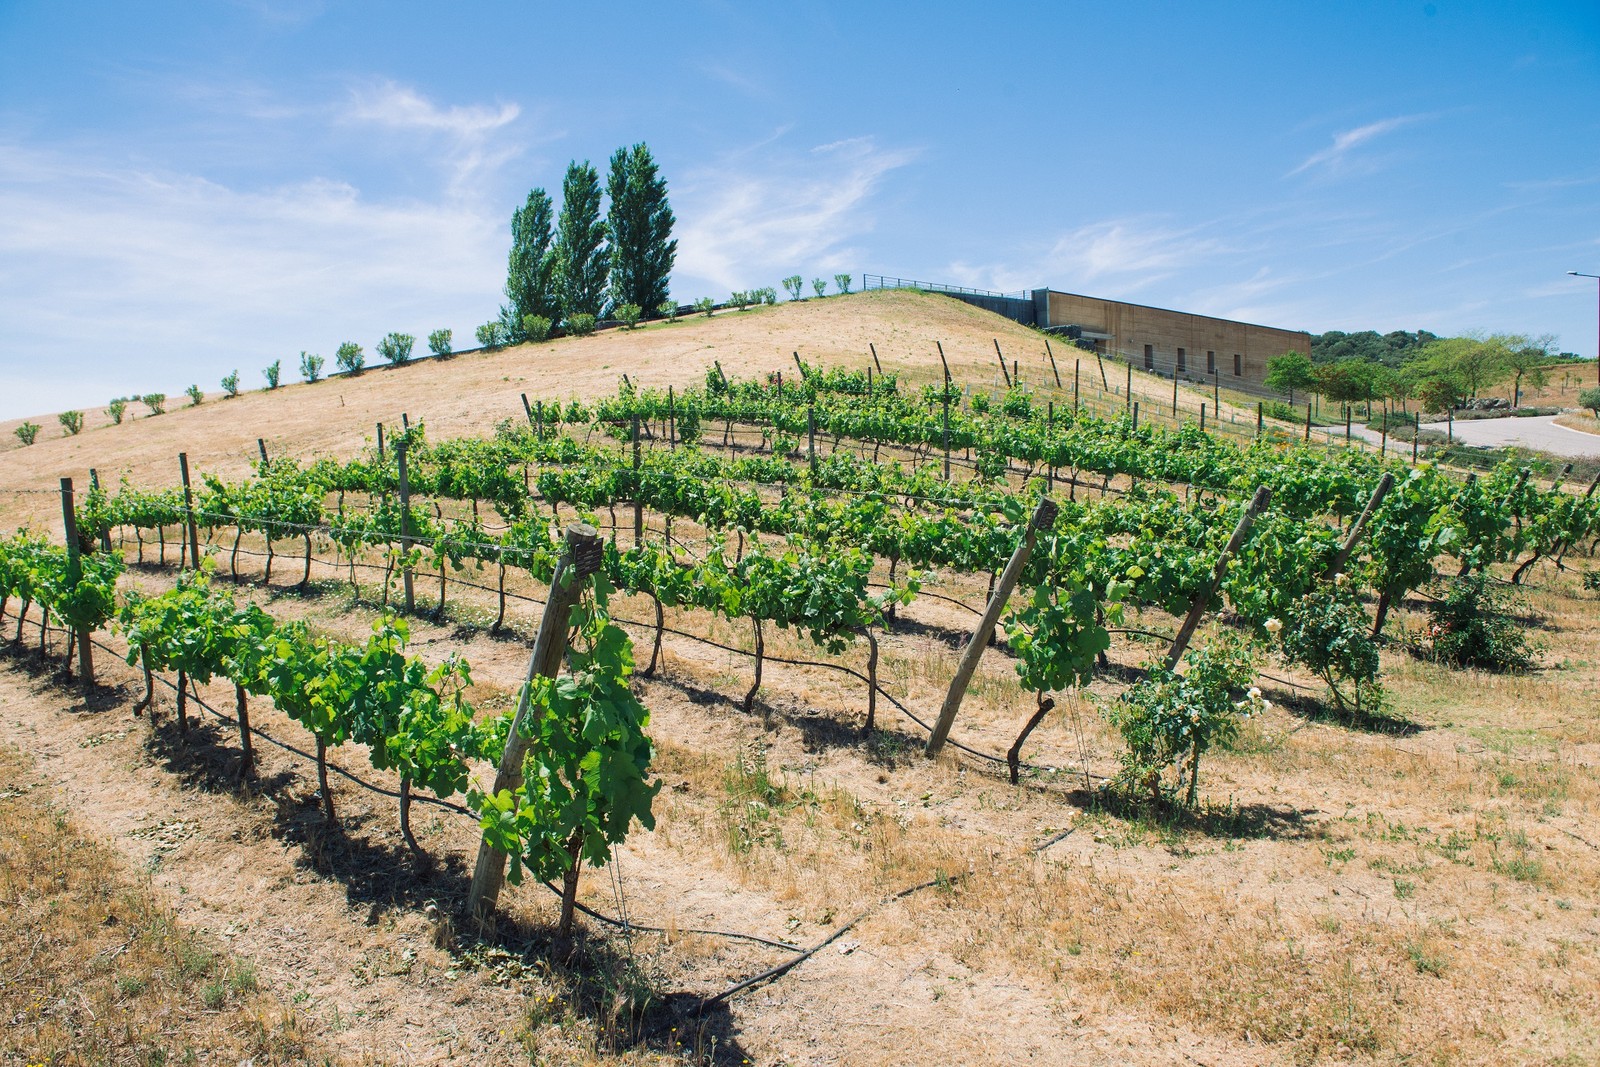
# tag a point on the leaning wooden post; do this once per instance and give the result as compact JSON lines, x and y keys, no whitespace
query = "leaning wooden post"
{"x":69,"y":522}
{"x":527,"y":408}
{"x":1043,"y":516}
{"x":874,"y":349}
{"x":638,"y":508}
{"x":1002,"y":358}
{"x":261,"y":447}
{"x":405,"y":524}
{"x":105,"y":534}
{"x":1053,"y":368}
{"x":580,"y":560}
{"x":1384,"y":485}
{"x":188,"y":511}
{"x":944,"y":361}
{"x":1197,"y":610}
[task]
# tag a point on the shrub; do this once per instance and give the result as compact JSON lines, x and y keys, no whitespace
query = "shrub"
{"x":273,"y":373}
{"x":705,"y":305}
{"x":195,"y":395}
{"x":536,"y":327}
{"x":767,"y":295}
{"x":1330,"y":634}
{"x":230,"y":384}
{"x":396,"y":348}
{"x":668,"y":310}
{"x":72,"y":422}
{"x":1590,"y":398}
{"x":116,"y":409}
{"x":439,"y":343}
{"x":739,"y":299}
{"x":1591,"y":581}
{"x":156,"y":402}
{"x":793,"y":283}
{"x":310,"y":366}
{"x":1470,"y":626}
{"x":349,"y":358}
{"x":820,"y":285}
{"x":843,"y":282}
{"x":491,"y":335}
{"x":629,"y":315}
{"x":1169,"y":718}
{"x":580,"y":325}
{"x":27,"y":432}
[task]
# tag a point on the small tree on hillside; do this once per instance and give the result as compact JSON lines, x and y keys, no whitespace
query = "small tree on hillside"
{"x":842,"y":281}
{"x":195,"y":395}
{"x":1590,"y":398}
{"x":349,"y":358}
{"x":71,"y":422}
{"x":793,"y":284}
{"x":27,"y":432}
{"x":820,"y":285}
{"x":396,"y":348}
{"x":1290,"y":371}
{"x":230,"y":384}
{"x":272,"y":373}
{"x":117,"y":408}
{"x":310,"y":366}
{"x":1528,"y":357}
{"x":439,"y":343}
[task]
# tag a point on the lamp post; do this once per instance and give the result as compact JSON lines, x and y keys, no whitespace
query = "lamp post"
{"x":1596,"y":277}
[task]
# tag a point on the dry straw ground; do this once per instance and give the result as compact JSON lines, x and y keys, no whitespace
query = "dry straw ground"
{"x":1417,"y":889}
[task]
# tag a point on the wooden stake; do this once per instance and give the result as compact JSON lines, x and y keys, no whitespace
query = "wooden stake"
{"x":1001,"y":357}
{"x":69,"y":522}
{"x":1043,"y":516}
{"x":527,"y":408}
{"x":105,"y":535}
{"x":1197,"y":610}
{"x":944,"y":361}
{"x":1384,"y":485}
{"x":874,"y":349}
{"x":1053,"y":368}
{"x":261,"y":447}
{"x":188,"y":510}
{"x":580,"y":560}
{"x":405,"y":524}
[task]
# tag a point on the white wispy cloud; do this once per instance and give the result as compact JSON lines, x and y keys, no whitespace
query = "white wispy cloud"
{"x":1348,"y":140}
{"x":1127,"y":253}
{"x":115,"y":279}
{"x":749,"y":219}
{"x":472,"y":135}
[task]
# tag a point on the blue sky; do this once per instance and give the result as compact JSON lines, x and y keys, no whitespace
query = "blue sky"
{"x":186,"y":188}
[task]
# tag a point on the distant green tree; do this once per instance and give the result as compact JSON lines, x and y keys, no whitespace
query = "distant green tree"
{"x":640,"y":222}
{"x":793,"y":283}
{"x":71,"y":422}
{"x":396,"y":348}
{"x":439,"y":343}
{"x":531,"y":282}
{"x":629,"y":315}
{"x":156,"y":402}
{"x":1289,"y":372}
{"x":310,"y":366}
{"x":820,"y":285}
{"x":1590,"y":398}
{"x":1528,"y":357}
{"x":273,"y":372}
{"x":493,"y":334}
{"x":230,"y":384}
{"x":1473,"y":362}
{"x":27,"y":432}
{"x":117,"y":408}
{"x":580,"y":325}
{"x":195,"y":395}
{"x":536,"y":328}
{"x":668,"y":309}
{"x":582,"y":260}
{"x":842,"y":281}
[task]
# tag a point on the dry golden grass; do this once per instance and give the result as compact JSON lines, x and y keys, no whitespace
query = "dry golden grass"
{"x":94,"y":970}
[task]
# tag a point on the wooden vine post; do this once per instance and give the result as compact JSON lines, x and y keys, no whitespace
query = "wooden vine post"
{"x":1002,"y":358}
{"x":527,"y":408}
{"x":1043,"y":516}
{"x":405,"y":524}
{"x":1077,"y":368}
{"x":875,"y":362}
{"x":1197,"y":610}
{"x":1056,"y":370}
{"x":188,"y":511}
{"x":638,"y":508}
{"x":579,"y":562}
{"x":69,"y":522}
{"x":105,"y":534}
{"x":1384,"y":485}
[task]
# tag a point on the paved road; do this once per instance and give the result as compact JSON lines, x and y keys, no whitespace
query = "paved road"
{"x":1541,"y":433}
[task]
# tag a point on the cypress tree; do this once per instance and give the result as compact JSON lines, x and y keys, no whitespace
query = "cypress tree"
{"x":642,"y":248}
{"x":530,"y":276}
{"x":583,"y":262}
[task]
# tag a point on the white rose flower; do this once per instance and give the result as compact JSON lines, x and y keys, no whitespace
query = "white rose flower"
{"x":1273,"y":626}
{"x":1254,"y":694}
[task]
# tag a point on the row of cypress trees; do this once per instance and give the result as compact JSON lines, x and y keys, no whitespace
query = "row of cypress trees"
{"x":584,"y":264}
